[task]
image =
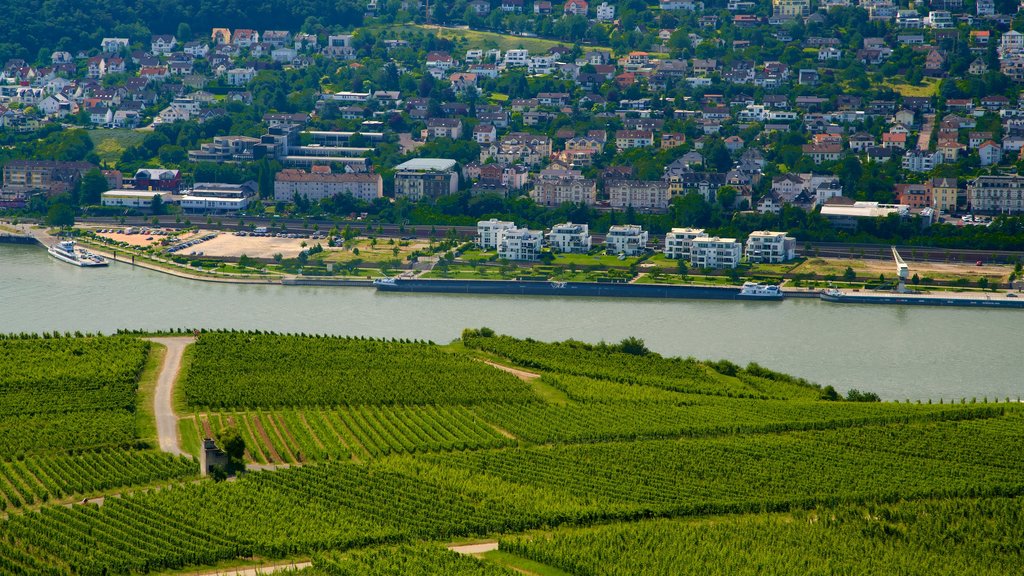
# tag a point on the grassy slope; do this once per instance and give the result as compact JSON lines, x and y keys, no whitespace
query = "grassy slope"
{"x":145,"y":421}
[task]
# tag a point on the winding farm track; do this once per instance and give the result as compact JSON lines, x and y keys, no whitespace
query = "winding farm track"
{"x":163,"y":404}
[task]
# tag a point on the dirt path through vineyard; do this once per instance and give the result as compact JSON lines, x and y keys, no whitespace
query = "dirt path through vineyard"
{"x":163,"y":406}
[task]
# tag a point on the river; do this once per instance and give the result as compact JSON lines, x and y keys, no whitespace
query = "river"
{"x":898,"y":352}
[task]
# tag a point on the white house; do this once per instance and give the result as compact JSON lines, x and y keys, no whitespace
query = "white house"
{"x":520,"y":244}
{"x":715,"y":252}
{"x":679,"y":241}
{"x":569,"y":238}
{"x":628,"y":239}
{"x":488,"y":232}
{"x":605,"y":12}
{"x":517,"y":57}
{"x":770,"y":247}
{"x":240,"y":76}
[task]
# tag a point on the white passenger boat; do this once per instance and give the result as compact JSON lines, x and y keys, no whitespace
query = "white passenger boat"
{"x":65,"y":251}
{"x":757,"y":291}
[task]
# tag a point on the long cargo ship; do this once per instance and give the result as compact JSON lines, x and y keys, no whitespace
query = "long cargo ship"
{"x":749,"y":291}
{"x":1009,"y":300}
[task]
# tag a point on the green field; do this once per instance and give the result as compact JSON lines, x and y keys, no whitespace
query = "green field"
{"x":591,"y":459}
{"x":482,"y":39}
{"x":109,"y":144}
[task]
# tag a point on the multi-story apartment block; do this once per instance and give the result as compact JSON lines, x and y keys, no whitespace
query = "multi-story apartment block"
{"x":556,"y":187}
{"x":570,"y":238}
{"x":715,"y":252}
{"x":947,"y":195}
{"x":426,"y":178}
{"x":321,"y":183}
{"x":626,"y":139}
{"x":643,"y":195}
{"x":520,"y":244}
{"x":996,"y":194}
{"x":770,"y":247}
{"x":488,"y":232}
{"x":791,"y":8}
{"x":628,"y":239}
{"x":679,"y":241}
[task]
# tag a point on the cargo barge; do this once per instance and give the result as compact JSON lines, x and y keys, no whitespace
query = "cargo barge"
{"x":919,"y":299}
{"x":592,"y":289}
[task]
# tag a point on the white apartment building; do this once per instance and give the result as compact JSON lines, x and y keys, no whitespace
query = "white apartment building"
{"x":520,"y":244}
{"x":488,"y":232}
{"x":605,"y":12}
{"x":715,"y":252}
{"x":628,"y":239}
{"x":770,"y":247}
{"x":517,"y":57}
{"x":569,"y":238}
{"x":679,"y":241}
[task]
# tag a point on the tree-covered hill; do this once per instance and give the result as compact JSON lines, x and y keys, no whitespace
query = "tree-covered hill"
{"x":31,"y":27}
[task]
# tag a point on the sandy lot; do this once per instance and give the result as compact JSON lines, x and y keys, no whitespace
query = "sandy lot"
{"x":227,"y":245}
{"x":937,"y":270}
{"x":134,"y":239}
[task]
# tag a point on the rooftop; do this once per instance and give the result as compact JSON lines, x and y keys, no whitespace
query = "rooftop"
{"x":427,"y":165}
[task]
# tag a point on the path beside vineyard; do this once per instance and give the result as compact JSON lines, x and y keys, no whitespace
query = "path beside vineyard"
{"x":475,"y":548}
{"x":521,"y":374}
{"x":163,"y":408}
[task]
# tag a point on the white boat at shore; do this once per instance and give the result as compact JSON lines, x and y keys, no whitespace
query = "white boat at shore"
{"x":757,"y":291}
{"x":65,"y":251}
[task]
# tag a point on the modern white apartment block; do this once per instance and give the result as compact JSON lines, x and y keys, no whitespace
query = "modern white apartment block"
{"x":488,"y":232}
{"x":715,"y":252}
{"x":679,"y":241}
{"x":628,"y":239}
{"x":770,"y":247}
{"x":569,"y":238}
{"x":520,"y":244}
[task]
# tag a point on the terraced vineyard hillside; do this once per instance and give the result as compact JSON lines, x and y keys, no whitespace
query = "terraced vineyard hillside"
{"x":373,"y":456}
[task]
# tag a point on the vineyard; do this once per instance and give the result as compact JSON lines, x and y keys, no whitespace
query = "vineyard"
{"x":373,"y":455}
{"x":942,"y":538}
{"x":46,"y":478}
{"x":647,"y":368}
{"x":61,"y":394}
{"x":264,"y":371}
{"x":296,"y":436}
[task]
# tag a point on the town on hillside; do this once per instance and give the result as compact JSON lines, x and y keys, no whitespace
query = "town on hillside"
{"x":712,"y":125}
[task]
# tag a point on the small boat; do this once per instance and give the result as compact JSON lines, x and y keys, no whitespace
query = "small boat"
{"x":758,"y":291}
{"x":65,"y":251}
{"x":386,"y":281}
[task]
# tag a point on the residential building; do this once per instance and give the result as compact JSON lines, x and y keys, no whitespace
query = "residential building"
{"x":569,"y":238}
{"x":914,"y":195}
{"x":791,"y":8}
{"x":990,"y":153}
{"x":679,"y":241}
{"x":921,"y":160}
{"x":520,"y":244}
{"x":426,"y":178}
{"x":556,"y":187}
{"x":770,"y":247}
{"x":605,"y":12}
{"x":626,"y":139}
{"x":628,"y":239}
{"x":488,"y":232}
{"x":46,"y":176}
{"x":576,"y":7}
{"x":158,"y":179}
{"x":321,"y":183}
{"x":715,"y":252}
{"x":946,"y":194}
{"x":996,"y":194}
{"x":642,"y":195}
{"x":444,"y":128}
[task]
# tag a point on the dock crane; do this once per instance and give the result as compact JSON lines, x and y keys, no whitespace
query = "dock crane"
{"x":902,"y":272}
